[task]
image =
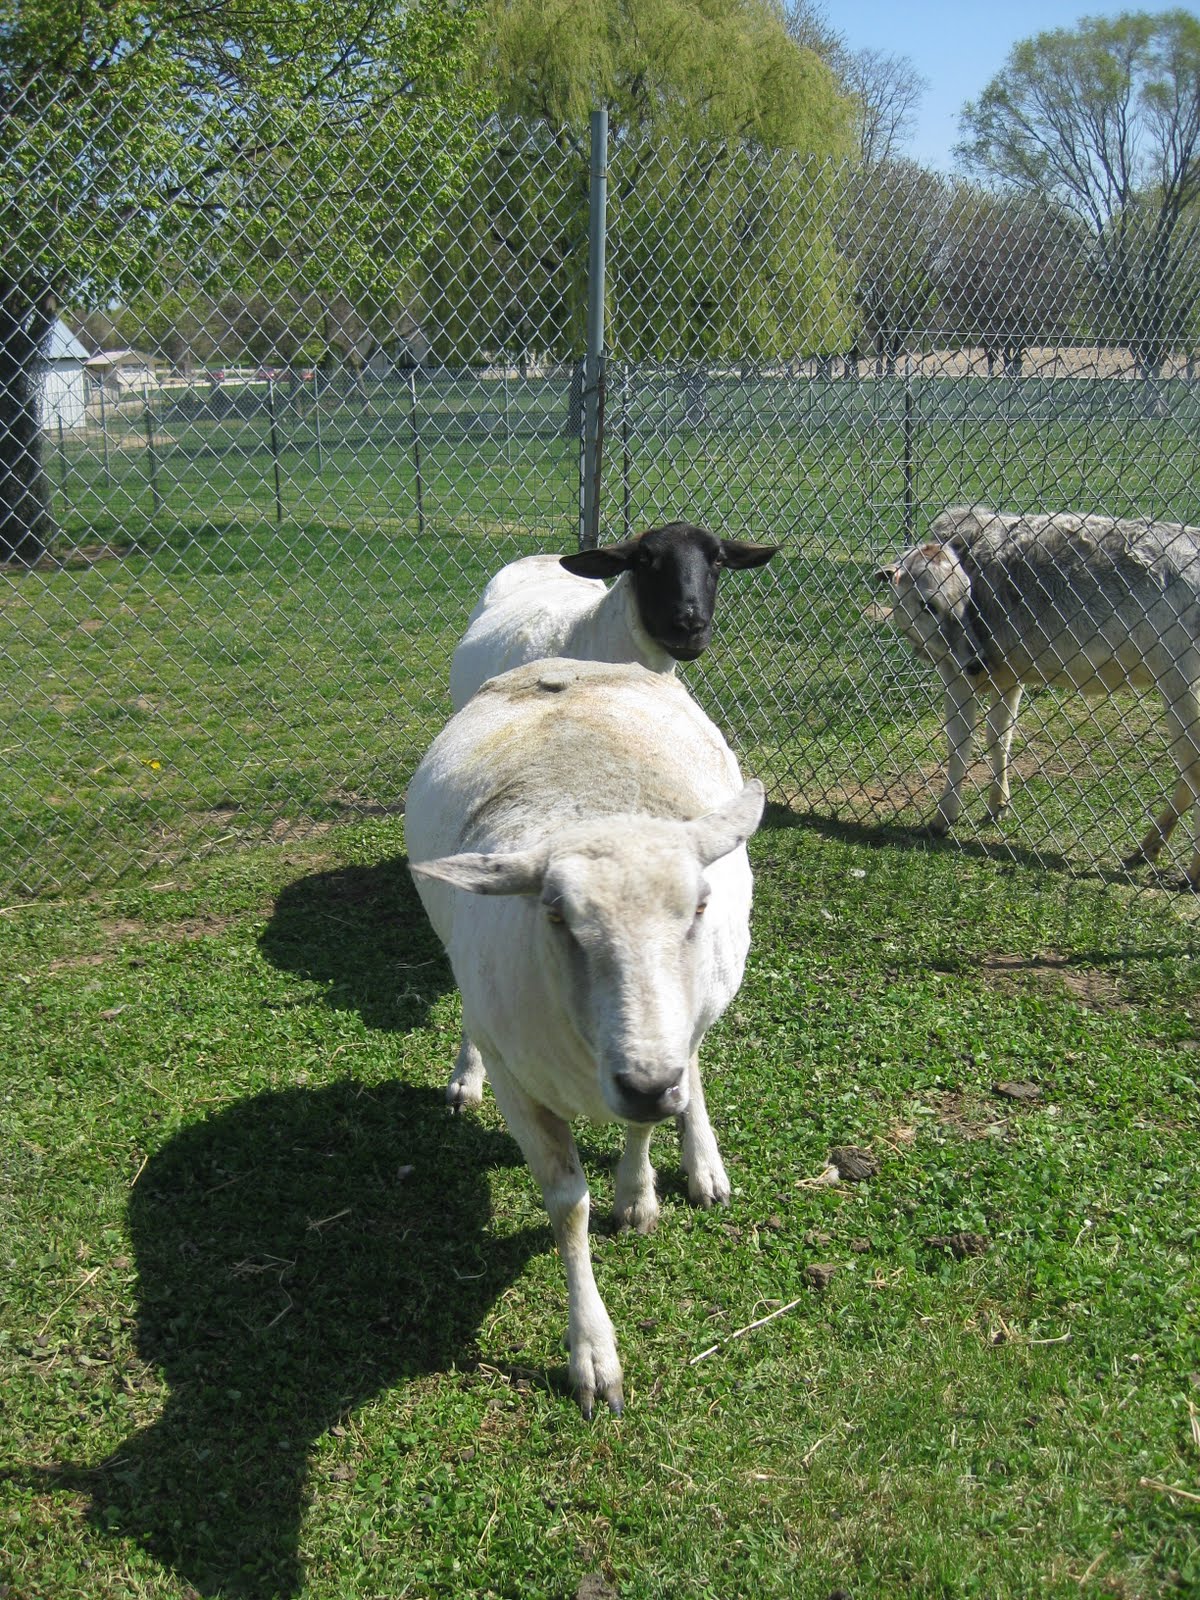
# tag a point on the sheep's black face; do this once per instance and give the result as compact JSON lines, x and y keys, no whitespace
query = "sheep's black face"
{"x":675,"y":576}
{"x":674,"y":571}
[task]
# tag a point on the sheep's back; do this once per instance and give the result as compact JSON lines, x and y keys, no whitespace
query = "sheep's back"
{"x":554,"y":742}
{"x":1082,"y":598}
{"x":526,"y":613}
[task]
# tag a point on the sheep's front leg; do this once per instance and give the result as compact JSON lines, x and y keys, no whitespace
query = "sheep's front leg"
{"x":960,"y":727}
{"x":708,"y":1184}
{"x":553,"y":1159}
{"x":635,"y":1204}
{"x":466,"y":1083}
{"x":1001,"y":721}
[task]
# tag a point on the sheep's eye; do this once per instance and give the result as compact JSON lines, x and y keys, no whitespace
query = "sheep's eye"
{"x":554,"y":915}
{"x":702,"y":908}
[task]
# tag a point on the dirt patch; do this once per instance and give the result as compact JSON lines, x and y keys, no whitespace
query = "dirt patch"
{"x":970,"y":1116}
{"x":881,"y":798}
{"x":359,"y":805}
{"x":83,"y":555}
{"x":287,"y":829}
{"x":1050,"y":973}
{"x":124,"y":930}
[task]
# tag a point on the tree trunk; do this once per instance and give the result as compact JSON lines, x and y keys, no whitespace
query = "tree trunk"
{"x":26,"y":521}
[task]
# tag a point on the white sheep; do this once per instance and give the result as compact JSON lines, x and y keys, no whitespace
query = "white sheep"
{"x":577,"y":834}
{"x":659,"y":611}
{"x":997,"y":601}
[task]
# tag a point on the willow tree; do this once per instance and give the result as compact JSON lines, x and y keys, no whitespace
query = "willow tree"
{"x":308,"y":146}
{"x":697,"y":91}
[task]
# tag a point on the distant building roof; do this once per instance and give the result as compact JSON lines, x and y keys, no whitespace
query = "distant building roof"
{"x":63,"y":345}
{"x":121,"y":358}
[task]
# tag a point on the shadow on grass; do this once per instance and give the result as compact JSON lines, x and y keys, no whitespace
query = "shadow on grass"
{"x":297,"y":1254}
{"x":917,"y":838}
{"x":362,"y":932}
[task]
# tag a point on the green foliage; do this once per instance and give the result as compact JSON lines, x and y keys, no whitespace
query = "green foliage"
{"x":696,"y":68}
{"x":300,"y":146}
{"x":1122,"y":91}
{"x":722,"y":256}
{"x":507,"y":273}
{"x":715,"y":119}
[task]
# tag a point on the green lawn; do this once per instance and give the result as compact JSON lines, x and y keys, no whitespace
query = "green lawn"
{"x":274,"y":1324}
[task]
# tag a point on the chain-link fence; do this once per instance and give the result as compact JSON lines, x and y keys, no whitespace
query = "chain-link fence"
{"x":256,"y":467}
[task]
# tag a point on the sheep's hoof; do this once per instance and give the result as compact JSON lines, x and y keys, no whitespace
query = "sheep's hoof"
{"x":709,"y":1189}
{"x":937,"y":828}
{"x":463,"y":1096}
{"x":596,"y":1375}
{"x":637,"y":1218}
{"x":587,"y":1403}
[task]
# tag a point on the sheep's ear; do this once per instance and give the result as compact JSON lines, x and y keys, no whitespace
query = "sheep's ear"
{"x":721,"y":831}
{"x":606,"y":562}
{"x":887,"y":574}
{"x":736,"y":553}
{"x":518,"y":872}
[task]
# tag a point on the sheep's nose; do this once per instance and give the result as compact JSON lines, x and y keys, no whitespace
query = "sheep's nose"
{"x":642,"y":1102}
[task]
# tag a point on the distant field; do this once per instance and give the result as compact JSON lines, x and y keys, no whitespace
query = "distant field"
{"x":251,"y":629}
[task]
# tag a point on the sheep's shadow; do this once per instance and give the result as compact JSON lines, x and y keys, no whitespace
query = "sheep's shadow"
{"x":296,"y":1255}
{"x":361,"y":931}
{"x":918,"y":839}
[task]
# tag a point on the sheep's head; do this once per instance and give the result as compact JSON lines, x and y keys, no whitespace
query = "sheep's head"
{"x":674,"y":572}
{"x":932,"y":607}
{"x":621,"y":913}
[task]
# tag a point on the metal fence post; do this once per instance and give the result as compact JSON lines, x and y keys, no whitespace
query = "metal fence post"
{"x":416,"y":450}
{"x":593,"y":368}
{"x":910,"y":471}
{"x":316,"y":383}
{"x":151,"y":453}
{"x":275,"y":449}
{"x":626,"y":456}
{"x":104,"y":437}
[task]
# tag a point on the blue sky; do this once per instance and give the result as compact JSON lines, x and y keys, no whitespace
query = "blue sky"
{"x":957,"y":45}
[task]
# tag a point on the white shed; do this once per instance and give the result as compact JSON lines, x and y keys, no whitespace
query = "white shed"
{"x":64,"y":386}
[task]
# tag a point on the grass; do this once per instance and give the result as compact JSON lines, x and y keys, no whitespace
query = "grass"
{"x":274,"y":1324}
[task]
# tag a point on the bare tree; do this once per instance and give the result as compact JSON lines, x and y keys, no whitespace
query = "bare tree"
{"x":885,"y":88}
{"x":889,"y":231}
{"x":1104,"y":120}
{"x":1009,"y":276}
